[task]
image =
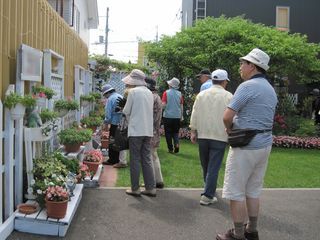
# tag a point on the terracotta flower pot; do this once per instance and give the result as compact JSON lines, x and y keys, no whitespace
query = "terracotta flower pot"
{"x":93,"y":128}
{"x":104,"y":143}
{"x":93,"y":166}
{"x":72,"y":147}
{"x":57,"y":209}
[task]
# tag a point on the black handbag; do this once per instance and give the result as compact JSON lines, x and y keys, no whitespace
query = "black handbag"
{"x":120,"y":141}
{"x":242,"y":137}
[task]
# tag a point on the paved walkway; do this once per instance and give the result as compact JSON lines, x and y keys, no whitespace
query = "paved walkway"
{"x":110,"y":214}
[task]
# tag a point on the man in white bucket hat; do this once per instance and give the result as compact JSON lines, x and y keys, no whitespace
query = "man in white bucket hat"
{"x":252,"y":106}
{"x":172,"y":102}
{"x":139,"y":112}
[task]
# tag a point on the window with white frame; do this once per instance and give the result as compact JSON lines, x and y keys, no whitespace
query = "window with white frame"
{"x":283,"y":18}
{"x":76,"y":19}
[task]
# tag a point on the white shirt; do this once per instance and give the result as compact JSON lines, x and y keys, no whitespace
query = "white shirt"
{"x":207,"y":113}
{"x":139,"y":112}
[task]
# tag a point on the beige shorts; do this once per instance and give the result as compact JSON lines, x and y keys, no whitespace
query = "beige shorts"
{"x":245,"y":170}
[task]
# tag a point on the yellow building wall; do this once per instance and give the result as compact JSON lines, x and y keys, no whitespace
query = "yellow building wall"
{"x":35,"y":23}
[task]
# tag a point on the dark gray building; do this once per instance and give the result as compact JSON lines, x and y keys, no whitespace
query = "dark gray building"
{"x":296,"y":16}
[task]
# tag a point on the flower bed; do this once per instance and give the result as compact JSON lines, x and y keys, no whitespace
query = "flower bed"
{"x":278,"y":141}
{"x":296,"y":142}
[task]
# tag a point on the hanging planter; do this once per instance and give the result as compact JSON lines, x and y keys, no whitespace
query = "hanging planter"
{"x":17,"y":104}
{"x":61,"y":113}
{"x":18,"y":111}
{"x":42,"y":102}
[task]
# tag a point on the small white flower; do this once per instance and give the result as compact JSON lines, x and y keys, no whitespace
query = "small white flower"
{"x":30,"y":190}
{"x":54,"y":175}
{"x":39,"y":191}
{"x":32,"y":182}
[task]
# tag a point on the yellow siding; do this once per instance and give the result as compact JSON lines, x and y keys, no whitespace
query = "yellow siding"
{"x":35,"y":23}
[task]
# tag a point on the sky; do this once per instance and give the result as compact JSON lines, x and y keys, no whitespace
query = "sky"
{"x":130,"y":20}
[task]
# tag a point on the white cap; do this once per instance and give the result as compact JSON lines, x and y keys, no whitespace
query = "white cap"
{"x":257,"y":57}
{"x":219,"y":75}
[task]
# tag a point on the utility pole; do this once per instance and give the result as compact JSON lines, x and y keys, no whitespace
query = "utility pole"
{"x":107,"y":31}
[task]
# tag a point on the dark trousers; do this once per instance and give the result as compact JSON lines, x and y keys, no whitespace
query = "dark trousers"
{"x":211,"y":155}
{"x":171,"y":130}
{"x":113,"y":155}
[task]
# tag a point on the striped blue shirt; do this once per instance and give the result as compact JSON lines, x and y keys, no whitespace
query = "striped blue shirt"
{"x":254,"y":103}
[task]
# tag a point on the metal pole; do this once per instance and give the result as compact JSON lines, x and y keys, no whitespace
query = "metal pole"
{"x":107,"y":30}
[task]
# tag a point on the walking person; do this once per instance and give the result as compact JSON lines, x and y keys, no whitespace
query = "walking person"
{"x":252,"y":106}
{"x":139,"y":112}
{"x":112,"y":119}
{"x":172,"y":101}
{"x":208,"y":130}
{"x":205,"y":79}
{"x":155,"y":142}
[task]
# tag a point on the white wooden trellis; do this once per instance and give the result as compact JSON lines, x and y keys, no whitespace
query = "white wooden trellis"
{"x":53,"y":74}
{"x":79,"y":80}
{"x":88,"y":84}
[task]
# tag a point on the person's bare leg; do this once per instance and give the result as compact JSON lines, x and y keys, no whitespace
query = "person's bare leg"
{"x":253,"y":205}
{"x":238,"y":214}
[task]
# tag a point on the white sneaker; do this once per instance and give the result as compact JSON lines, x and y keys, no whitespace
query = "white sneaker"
{"x":207,"y":201}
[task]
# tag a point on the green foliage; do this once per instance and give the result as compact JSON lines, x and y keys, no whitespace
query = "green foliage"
{"x":47,"y":170}
{"x":89,"y":98}
{"x":72,"y":165}
{"x":106,"y":65}
{"x":306,"y":128}
{"x":91,"y":121}
{"x":74,"y":136}
{"x":13,"y":99}
{"x":44,"y":90}
{"x":219,"y":42}
{"x":306,"y":109}
{"x":47,"y":115}
{"x":96,"y":95}
{"x":66,"y":104}
{"x":286,"y":117}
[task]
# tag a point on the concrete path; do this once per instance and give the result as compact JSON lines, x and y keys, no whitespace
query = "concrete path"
{"x":110,"y":214}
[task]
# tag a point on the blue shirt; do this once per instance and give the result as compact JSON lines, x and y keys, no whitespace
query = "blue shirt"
{"x":207,"y":84}
{"x":255,"y":102}
{"x":112,"y":117}
{"x":173,"y":100}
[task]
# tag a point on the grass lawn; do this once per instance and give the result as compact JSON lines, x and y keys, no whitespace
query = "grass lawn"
{"x":288,"y":168}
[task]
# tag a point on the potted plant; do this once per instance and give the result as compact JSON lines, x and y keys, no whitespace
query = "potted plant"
{"x":93,"y":159}
{"x":97,"y":96}
{"x":62,"y":106}
{"x":91,"y":122}
{"x":104,"y":139}
{"x":43,"y":92}
{"x":47,"y":115}
{"x":57,"y":198}
{"x":72,"y":138}
{"x":47,"y":170}
{"x":18,"y":103}
{"x":86,"y":99}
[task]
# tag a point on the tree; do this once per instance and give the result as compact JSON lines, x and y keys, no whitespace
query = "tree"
{"x":219,"y":42}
